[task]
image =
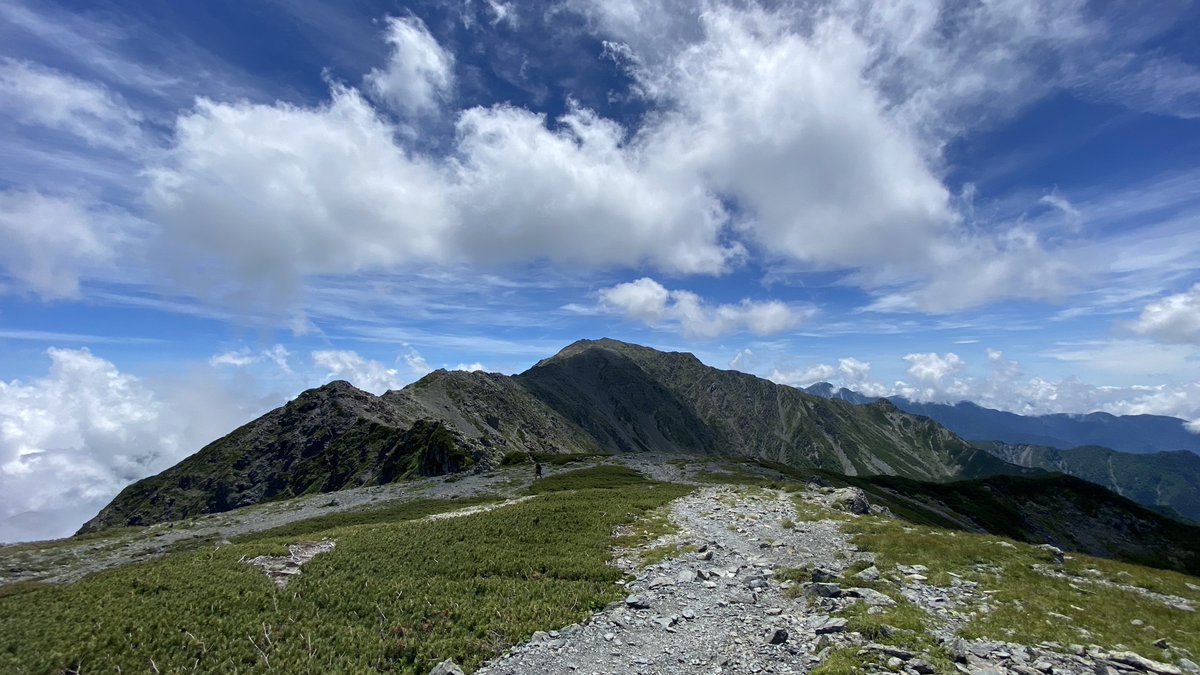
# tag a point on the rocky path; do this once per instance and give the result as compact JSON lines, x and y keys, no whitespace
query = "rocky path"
{"x":727,"y":604}
{"x":718,"y":609}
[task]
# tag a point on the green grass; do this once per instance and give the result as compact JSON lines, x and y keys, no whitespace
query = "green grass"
{"x":605,"y":476}
{"x":395,"y":512}
{"x":392,"y":597}
{"x":1027,"y":606}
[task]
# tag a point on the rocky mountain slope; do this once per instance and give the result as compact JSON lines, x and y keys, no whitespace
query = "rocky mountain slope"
{"x":1167,"y":480}
{"x":594,"y":396}
{"x":1124,"y":433}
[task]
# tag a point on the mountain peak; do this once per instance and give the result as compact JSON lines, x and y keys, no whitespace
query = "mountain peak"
{"x":609,"y":344}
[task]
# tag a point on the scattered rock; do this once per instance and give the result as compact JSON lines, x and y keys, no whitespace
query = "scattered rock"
{"x":824,"y":590}
{"x":637,"y":602}
{"x":447,"y":667}
{"x":869,"y":574}
{"x":830,"y":625}
{"x":777,"y":636}
{"x":1056,"y":553}
{"x":868,"y":595}
{"x":820,"y":575}
{"x":1142,"y":663}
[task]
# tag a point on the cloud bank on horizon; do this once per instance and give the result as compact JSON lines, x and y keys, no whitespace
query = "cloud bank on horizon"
{"x":993,"y":202}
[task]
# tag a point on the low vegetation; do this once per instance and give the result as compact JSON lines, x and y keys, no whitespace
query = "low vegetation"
{"x":393,"y":512}
{"x":394,"y":596}
{"x":1029,"y":606}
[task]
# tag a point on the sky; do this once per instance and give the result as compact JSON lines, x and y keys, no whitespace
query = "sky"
{"x":206,"y":208}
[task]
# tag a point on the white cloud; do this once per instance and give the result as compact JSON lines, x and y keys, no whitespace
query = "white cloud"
{"x":71,"y":440}
{"x":650,"y":302}
{"x":276,"y":193}
{"x":240,"y":358}
{"x":827,"y":125}
{"x":419,"y":73}
{"x":504,"y":12}
{"x":50,"y":242}
{"x":822,"y":372}
{"x":786,"y":123}
{"x":1064,"y":206}
{"x":850,"y":373}
{"x":475,"y":367}
{"x":236,"y":358}
{"x":41,"y":96}
{"x":1174,"y":318}
{"x":417,"y":363}
{"x":934,"y":376}
{"x":366,"y":374}
{"x":944,"y":378}
{"x":743,"y":360}
{"x":272,"y":194}
{"x":644,"y":300}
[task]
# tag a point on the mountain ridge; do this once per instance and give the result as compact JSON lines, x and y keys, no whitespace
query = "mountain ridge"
{"x":1124,"y":433}
{"x":601,"y":396}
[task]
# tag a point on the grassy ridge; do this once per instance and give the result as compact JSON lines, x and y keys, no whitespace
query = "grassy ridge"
{"x":393,"y":596}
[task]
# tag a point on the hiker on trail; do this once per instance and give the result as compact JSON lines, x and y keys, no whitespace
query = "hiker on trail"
{"x":537,"y":470}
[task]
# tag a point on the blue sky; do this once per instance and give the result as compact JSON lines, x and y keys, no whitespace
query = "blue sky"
{"x":208,"y":207}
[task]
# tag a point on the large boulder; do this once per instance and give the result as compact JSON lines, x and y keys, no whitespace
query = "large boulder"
{"x":850,"y":499}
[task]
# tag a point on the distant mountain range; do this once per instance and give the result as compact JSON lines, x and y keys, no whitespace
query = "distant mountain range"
{"x":1125,"y":433}
{"x":600,"y":396}
{"x":1166,"y":480}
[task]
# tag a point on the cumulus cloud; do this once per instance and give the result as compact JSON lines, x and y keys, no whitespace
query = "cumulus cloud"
{"x":1174,"y":318}
{"x":849,"y":372}
{"x":822,"y":372}
{"x":650,"y":302}
{"x":278,"y":192}
{"x":804,"y":138}
{"x":827,"y":127}
{"x":366,"y":374}
{"x":475,"y":367}
{"x":50,"y":242}
{"x":272,"y":194}
{"x":37,"y":95}
{"x":419,"y":74}
{"x":71,"y":440}
{"x":644,"y":299}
